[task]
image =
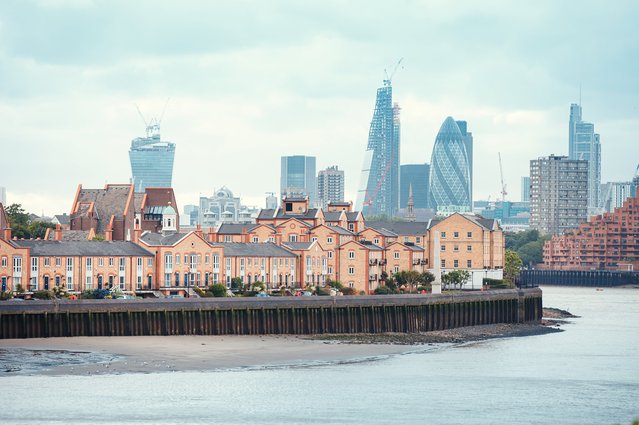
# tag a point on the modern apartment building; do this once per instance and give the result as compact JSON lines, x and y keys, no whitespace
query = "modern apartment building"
{"x":606,"y":242}
{"x":525,"y":189}
{"x":558,"y":193}
{"x":330,"y":186}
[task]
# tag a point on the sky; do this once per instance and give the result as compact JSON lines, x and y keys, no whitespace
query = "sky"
{"x":250,"y":81}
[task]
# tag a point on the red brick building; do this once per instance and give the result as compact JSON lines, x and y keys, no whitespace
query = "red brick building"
{"x":606,"y":242}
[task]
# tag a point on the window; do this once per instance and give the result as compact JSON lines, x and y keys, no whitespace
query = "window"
{"x":292,"y":238}
{"x":69,"y":264}
{"x":46,"y":261}
{"x":443,"y":247}
{"x":418,"y":239}
{"x":469,"y":248}
{"x":101,"y":262}
{"x":443,"y":263}
{"x":376,"y":241}
{"x":455,"y":234}
{"x":271,"y":239}
{"x":330,"y":254}
{"x":443,"y":234}
{"x":351,"y":284}
{"x":167,"y":279}
{"x":351,"y":255}
{"x":216,"y":262}
{"x":329,"y":239}
{"x":396,"y":269}
{"x":351,"y":227}
{"x":177,"y":259}
{"x":469,"y":234}
{"x":228,"y":238}
{"x":255,"y":239}
{"x":110,"y":261}
{"x":456,"y":248}
{"x":314,"y":238}
{"x":330,"y":270}
{"x":396,"y":255}
{"x":121,"y":265}
{"x":469,"y":263}
{"x":168,"y":263}
{"x":150,"y":262}
{"x":58,"y":262}
{"x":4,"y":262}
{"x":351,"y":270}
{"x":455,"y":263}
{"x":177,"y":279}
{"x":406,"y":239}
{"x":186,"y":259}
{"x":206,"y":260}
{"x":228,"y":265}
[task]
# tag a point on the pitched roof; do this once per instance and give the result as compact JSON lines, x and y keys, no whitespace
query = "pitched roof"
{"x":40,"y":248}
{"x":62,"y":218}
{"x":370,"y":245}
{"x":384,"y":232}
{"x":400,"y":228}
{"x":352,"y":216}
{"x":158,"y":239}
{"x":254,"y":250}
{"x":333,"y":215}
{"x":486,"y":223}
{"x":110,"y":201}
{"x":71,"y":235}
{"x":266,"y":214}
{"x":234,"y":228}
{"x":340,"y":230}
{"x":297,"y":246}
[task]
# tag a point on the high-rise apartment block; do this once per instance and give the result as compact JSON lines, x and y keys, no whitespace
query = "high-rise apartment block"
{"x":415,"y":176}
{"x":584,"y":144}
{"x":614,"y":194}
{"x":330,"y":186}
{"x":298,"y":177}
{"x":151,"y":160}
{"x":525,"y":189}
{"x":558,"y":193}
{"x":379,"y":185}
{"x":451,"y":169}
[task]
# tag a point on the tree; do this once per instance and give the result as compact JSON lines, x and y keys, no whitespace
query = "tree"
{"x":38,"y":229}
{"x":389,"y":282}
{"x":217,"y":290}
{"x":512,"y":266}
{"x":22,"y":227}
{"x":455,"y":277}
{"x":410,"y":278}
{"x":236,"y":283}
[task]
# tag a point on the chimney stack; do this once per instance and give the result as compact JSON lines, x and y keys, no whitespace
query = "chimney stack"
{"x":57,"y":235}
{"x":108,"y":233}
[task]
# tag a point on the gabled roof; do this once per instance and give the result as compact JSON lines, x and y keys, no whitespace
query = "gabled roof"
{"x":340,"y":230}
{"x":408,"y":246}
{"x":62,"y":218}
{"x":333,"y":215}
{"x":254,"y":250}
{"x":296,"y":219}
{"x":298,"y":246}
{"x":279,"y":213}
{"x":370,"y":245}
{"x":486,"y":223}
{"x":40,"y":248}
{"x":158,"y":239}
{"x":113,"y":200}
{"x":382,"y":231}
{"x":234,"y":228}
{"x":400,"y":228}
{"x":353,"y":216}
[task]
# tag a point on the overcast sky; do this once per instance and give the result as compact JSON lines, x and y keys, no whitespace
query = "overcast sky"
{"x":250,"y":81}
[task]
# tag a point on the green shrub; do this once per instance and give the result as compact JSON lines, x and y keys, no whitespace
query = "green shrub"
{"x":323,"y":291}
{"x":383,"y":290}
{"x":347,"y":290}
{"x":334,"y":284}
{"x":43,"y":295}
{"x":6,"y":295}
{"x":496,"y":283}
{"x":218,"y":290}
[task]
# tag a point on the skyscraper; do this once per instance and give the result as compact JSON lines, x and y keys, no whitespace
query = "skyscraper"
{"x":379,"y":182}
{"x":525,"y":189}
{"x":584,"y":144}
{"x":558,"y":193}
{"x":468,"y":142}
{"x":451,"y":170}
{"x":151,"y":160}
{"x":298,"y":177}
{"x":330,"y":186}
{"x":415,"y":175}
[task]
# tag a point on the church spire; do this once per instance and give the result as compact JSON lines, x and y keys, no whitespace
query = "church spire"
{"x":410,"y":205}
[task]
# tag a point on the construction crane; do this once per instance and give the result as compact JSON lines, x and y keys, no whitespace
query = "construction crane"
{"x":389,"y":78}
{"x":503,"y":185}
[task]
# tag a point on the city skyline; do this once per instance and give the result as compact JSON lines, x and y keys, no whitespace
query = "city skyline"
{"x":65,"y":97}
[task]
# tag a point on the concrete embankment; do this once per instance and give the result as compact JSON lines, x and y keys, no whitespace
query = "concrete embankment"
{"x":260,"y":316}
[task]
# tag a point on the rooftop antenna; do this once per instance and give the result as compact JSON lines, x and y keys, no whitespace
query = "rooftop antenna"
{"x":389,"y":79}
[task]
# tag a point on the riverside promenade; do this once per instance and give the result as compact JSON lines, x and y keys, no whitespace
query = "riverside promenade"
{"x":273,"y":315}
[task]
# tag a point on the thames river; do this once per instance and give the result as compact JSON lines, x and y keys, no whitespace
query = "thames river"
{"x":588,"y":374}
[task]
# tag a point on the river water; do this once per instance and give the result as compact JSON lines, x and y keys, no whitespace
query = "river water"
{"x":588,"y":374}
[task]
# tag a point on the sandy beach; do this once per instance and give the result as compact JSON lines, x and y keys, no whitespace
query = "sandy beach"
{"x":147,"y":354}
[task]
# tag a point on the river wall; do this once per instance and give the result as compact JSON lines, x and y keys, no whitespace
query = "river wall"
{"x":274,"y":315}
{"x":595,"y":278}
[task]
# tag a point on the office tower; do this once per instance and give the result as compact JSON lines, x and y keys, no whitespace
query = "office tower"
{"x":151,"y":159}
{"x":415,"y":175}
{"x":3,"y":196}
{"x":450,"y":170}
{"x":190,"y":216}
{"x":558,"y":193}
{"x":379,"y":182}
{"x":525,"y":189}
{"x":298,"y":177}
{"x":330,"y":186}
{"x":584,"y":144}
{"x":613,"y":194}
{"x":467,"y":137}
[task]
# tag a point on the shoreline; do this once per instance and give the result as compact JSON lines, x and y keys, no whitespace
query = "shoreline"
{"x":88,"y":356}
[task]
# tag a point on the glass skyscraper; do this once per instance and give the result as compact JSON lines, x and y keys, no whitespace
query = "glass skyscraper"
{"x":151,"y":160}
{"x":379,"y":182}
{"x":298,"y":177}
{"x":451,"y":170}
{"x":584,"y":144}
{"x":415,"y":175}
